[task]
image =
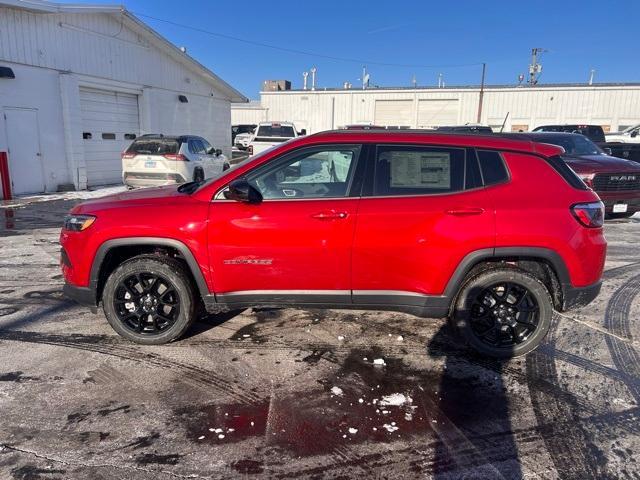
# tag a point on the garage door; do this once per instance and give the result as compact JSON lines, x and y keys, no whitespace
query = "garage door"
{"x":437,"y":113}
{"x":109,"y":122}
{"x":394,"y":113}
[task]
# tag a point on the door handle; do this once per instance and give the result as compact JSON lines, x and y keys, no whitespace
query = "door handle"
{"x":465,"y":211}
{"x":329,"y":215}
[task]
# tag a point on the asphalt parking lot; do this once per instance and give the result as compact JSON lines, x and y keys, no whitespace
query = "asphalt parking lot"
{"x":308,"y":394}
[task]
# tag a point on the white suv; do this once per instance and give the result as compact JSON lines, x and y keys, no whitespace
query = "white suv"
{"x":153,"y":160}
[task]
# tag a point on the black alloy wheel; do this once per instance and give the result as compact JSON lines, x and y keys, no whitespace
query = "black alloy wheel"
{"x":503,"y":312}
{"x":146,"y":303}
{"x":150,"y":299}
{"x":504,"y":315}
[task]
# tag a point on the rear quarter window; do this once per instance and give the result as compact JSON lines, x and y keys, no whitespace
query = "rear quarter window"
{"x":492,"y":167}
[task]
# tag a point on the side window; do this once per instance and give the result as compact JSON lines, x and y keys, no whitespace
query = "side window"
{"x":493,"y":167}
{"x":205,"y":145}
{"x":195,"y":146}
{"x":313,"y":173}
{"x":418,"y":170}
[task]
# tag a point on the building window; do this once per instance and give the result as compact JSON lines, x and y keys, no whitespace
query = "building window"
{"x":129,"y":136}
{"x":86,"y":135}
{"x":108,"y":136}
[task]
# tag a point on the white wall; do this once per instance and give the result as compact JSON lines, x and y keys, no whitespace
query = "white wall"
{"x":53,"y":55}
{"x":609,"y":106}
{"x":39,"y":89}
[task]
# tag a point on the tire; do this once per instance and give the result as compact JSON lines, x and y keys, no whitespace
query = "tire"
{"x":198,"y":175}
{"x":515,"y":324}
{"x":161,"y":311}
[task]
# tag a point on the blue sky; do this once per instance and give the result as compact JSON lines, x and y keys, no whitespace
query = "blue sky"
{"x":579,"y":35}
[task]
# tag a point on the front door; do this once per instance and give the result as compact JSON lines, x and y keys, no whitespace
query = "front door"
{"x":423,"y":213}
{"x":25,"y":159}
{"x":294,"y":246}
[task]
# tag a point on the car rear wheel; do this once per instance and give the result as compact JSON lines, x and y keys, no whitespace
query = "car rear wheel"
{"x":149,"y":300}
{"x":504,"y":312}
{"x":198,"y":175}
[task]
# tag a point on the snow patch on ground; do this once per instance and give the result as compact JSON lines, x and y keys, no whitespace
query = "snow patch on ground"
{"x":49,"y":197}
{"x":396,"y":399}
{"x":390,"y":427}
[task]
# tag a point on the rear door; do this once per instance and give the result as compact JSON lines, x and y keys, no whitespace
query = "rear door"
{"x":422,"y":211}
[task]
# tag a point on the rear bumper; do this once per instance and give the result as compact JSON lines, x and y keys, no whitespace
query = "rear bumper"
{"x":575,"y":297}
{"x":139,"y":179}
{"x":83,"y":295}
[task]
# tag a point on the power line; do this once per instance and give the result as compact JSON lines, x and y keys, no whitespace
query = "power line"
{"x":299,"y":52}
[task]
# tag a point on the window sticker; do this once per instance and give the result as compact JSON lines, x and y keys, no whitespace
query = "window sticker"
{"x":420,"y":169}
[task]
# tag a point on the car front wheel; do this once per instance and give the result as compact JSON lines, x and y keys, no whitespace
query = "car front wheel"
{"x":149,"y":300}
{"x":504,"y":312}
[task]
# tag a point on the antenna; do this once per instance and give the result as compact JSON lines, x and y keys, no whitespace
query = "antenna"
{"x":520,"y":79}
{"x":365,"y":78}
{"x":535,"y":69}
{"x":304,"y":80}
{"x":440,"y":81}
{"x":414,"y":82}
{"x":313,"y":77}
{"x":591,"y":74}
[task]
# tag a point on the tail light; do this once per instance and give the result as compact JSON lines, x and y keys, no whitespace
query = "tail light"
{"x":250,"y":149}
{"x":590,"y":215}
{"x":128,"y":156}
{"x":176,"y":156}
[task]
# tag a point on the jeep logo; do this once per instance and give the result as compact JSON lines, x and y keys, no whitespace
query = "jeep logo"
{"x":622,"y":178}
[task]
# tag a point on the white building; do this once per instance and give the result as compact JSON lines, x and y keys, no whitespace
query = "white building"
{"x":87,"y":80}
{"x":614,"y":106}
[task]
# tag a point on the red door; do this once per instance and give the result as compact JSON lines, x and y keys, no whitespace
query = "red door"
{"x":424,"y":215}
{"x":297,"y":242}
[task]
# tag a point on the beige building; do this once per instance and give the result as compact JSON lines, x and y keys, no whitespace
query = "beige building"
{"x":614,"y":106}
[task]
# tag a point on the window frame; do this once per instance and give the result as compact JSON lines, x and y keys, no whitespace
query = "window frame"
{"x":352,"y":185}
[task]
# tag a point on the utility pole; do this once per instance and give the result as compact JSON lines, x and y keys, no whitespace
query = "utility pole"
{"x":591,"y":74}
{"x":535,"y":68}
{"x":440,"y":82}
{"x":484,"y":69}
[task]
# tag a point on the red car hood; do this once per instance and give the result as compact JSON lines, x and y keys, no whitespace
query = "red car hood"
{"x":600,"y":164}
{"x":143,"y":196}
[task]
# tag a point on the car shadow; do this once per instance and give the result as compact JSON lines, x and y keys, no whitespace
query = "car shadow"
{"x":207,"y":321}
{"x":476,"y":439}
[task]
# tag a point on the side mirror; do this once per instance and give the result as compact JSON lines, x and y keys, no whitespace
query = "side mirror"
{"x":218,"y":152}
{"x":210,"y":151}
{"x":242,"y":191}
{"x":607,"y":150}
{"x":303,"y":131}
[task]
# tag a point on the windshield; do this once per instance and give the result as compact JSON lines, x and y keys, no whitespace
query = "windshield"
{"x":572,"y":144}
{"x":275,"y":131}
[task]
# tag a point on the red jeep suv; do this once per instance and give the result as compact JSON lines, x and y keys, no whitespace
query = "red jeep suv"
{"x":493,"y":232}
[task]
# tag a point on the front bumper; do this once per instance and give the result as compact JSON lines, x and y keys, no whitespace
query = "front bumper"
{"x":83,"y":295}
{"x":575,"y":297}
{"x":631,"y":199}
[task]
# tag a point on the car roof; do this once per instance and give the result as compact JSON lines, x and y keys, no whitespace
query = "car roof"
{"x":434,"y":137}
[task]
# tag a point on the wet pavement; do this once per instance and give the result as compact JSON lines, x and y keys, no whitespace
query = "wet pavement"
{"x":308,"y":393}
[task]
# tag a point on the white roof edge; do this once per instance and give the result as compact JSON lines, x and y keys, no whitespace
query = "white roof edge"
{"x":48,"y":7}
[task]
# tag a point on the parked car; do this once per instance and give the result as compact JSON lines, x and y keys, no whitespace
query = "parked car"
{"x":470,"y":128}
{"x":242,"y":128}
{"x":243,"y":140}
{"x":615,"y":180}
{"x":595,"y":133}
{"x":629,"y":135}
{"x":493,"y":232}
{"x":270,"y":134}
{"x":153,"y":160}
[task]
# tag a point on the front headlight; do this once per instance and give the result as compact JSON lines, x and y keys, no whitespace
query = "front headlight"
{"x":588,"y":178}
{"x":78,"y":223}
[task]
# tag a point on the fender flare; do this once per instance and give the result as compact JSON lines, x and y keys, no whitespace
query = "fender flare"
{"x":108,"y":245}
{"x":477,"y":256}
